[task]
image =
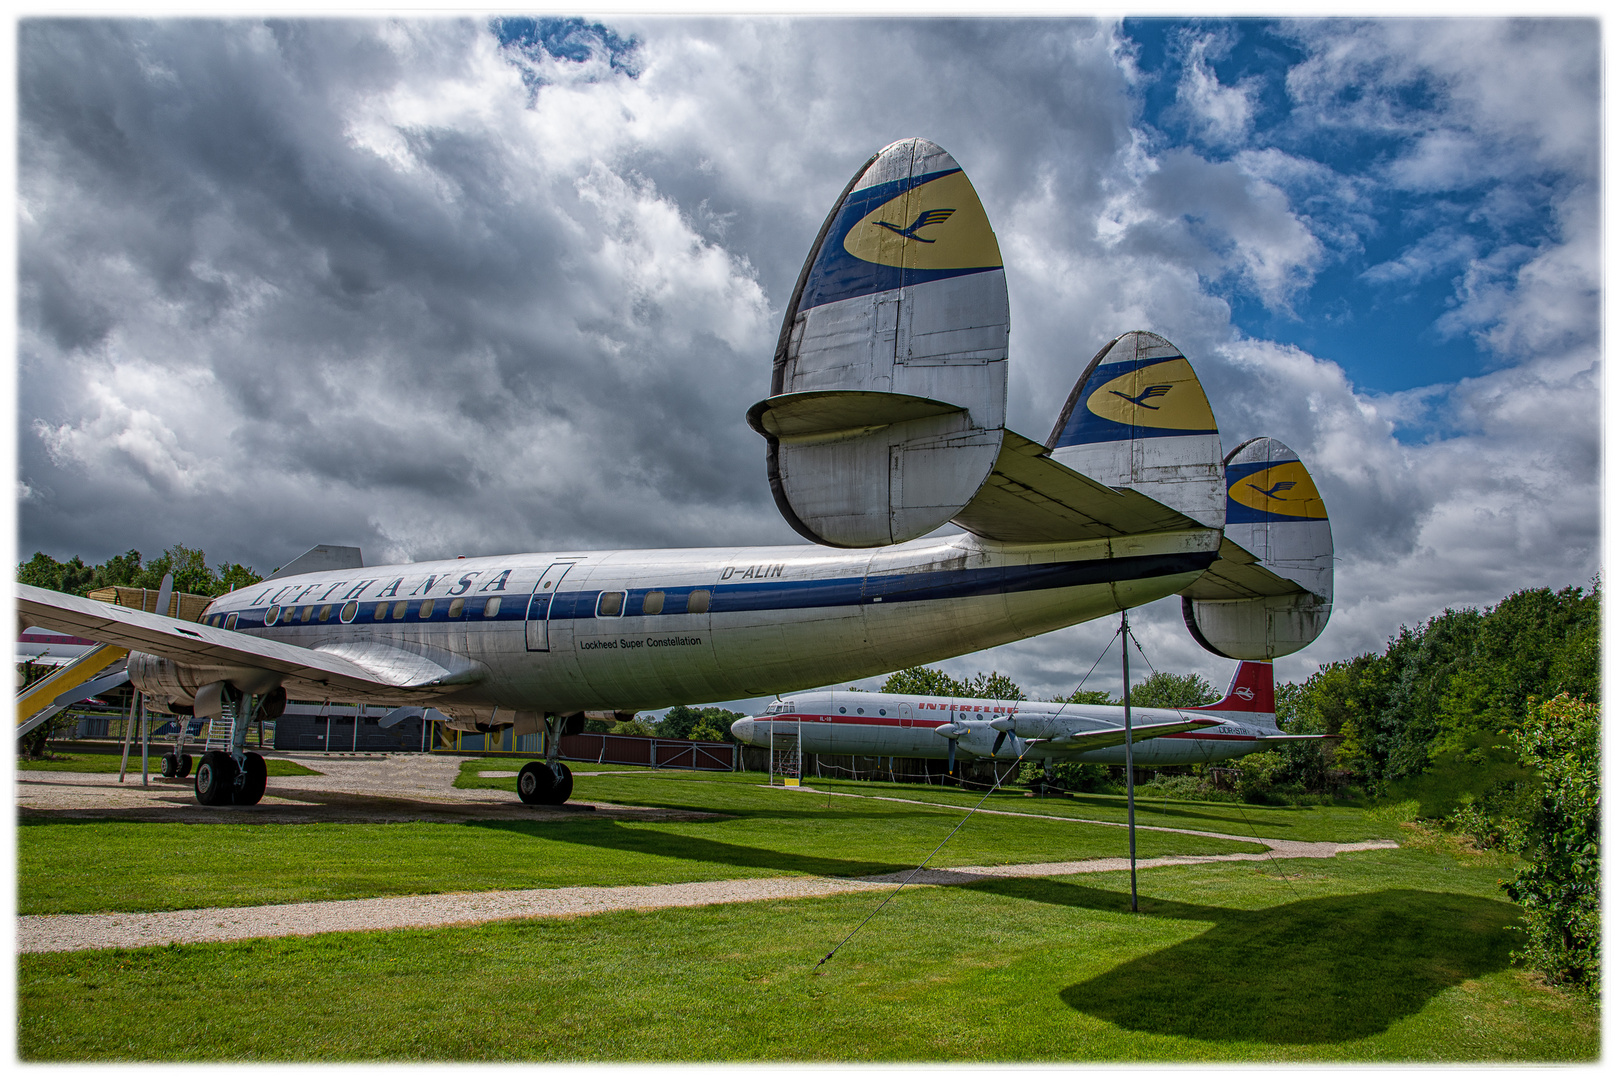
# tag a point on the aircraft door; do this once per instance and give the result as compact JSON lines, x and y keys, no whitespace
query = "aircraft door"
{"x":907,"y":714}
{"x":539,"y":606}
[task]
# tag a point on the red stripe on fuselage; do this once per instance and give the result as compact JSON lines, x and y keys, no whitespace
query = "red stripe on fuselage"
{"x":874,"y":721}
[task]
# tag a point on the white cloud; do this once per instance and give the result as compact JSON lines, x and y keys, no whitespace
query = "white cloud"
{"x":359,"y":282}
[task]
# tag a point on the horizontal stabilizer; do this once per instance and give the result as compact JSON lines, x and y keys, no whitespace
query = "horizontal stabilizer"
{"x":1029,"y":498}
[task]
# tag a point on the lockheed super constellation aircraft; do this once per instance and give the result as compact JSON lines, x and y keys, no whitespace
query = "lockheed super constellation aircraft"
{"x":930,"y":726}
{"x":885,"y":421}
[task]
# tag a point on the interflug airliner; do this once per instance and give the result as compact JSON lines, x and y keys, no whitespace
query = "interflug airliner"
{"x":942,"y":728}
{"x":885,"y":420}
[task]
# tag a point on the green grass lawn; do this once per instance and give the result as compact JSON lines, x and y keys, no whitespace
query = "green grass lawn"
{"x":1380,"y":956}
{"x":108,"y":763}
{"x":764,"y":833}
{"x":1387,"y":956}
{"x":668,"y":788}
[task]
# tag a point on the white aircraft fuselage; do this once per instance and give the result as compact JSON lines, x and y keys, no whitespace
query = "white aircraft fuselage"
{"x":918,"y":726}
{"x":567,"y":632}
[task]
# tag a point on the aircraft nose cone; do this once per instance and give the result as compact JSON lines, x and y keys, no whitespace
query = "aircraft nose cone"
{"x":743,"y":729}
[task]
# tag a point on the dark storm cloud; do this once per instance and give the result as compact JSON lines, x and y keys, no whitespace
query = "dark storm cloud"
{"x":404,"y":285}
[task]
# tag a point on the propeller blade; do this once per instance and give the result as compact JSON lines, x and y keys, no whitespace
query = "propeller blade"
{"x":952,"y":743}
{"x":999,"y":740}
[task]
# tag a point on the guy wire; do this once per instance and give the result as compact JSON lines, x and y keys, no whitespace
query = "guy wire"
{"x":920,"y":866}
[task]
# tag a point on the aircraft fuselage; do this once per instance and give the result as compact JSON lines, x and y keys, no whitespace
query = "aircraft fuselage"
{"x":571,"y":631}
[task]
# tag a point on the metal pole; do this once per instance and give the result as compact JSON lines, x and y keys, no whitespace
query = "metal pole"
{"x":129,"y":734}
{"x":357,"y":710}
{"x":325,"y":744}
{"x":1129,"y":765}
{"x":144,"y":745}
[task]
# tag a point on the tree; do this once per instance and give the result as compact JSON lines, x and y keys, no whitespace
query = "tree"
{"x":932,"y":682}
{"x":1090,"y":697}
{"x":1560,"y":888}
{"x":188,"y":565}
{"x":684,"y":722}
{"x":1166,"y":690}
{"x":923,"y":682}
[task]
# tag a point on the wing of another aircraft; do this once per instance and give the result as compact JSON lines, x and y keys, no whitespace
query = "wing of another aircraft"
{"x":1100,"y":740}
{"x":355,"y":668}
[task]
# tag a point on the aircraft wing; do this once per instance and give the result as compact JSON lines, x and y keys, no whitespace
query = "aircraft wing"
{"x":348,"y":668}
{"x":1100,"y":740}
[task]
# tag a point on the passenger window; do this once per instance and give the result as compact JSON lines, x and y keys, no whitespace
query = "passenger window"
{"x":427,"y":608}
{"x":456,"y":606}
{"x":380,"y":613}
{"x":350,"y":609}
{"x":611,"y":603}
{"x":653,"y":604}
{"x":325,"y":612}
{"x":697,"y":602}
{"x":492,"y":608}
{"x":400,"y":608}
{"x":271,"y":615}
{"x":230,"y":621}
{"x":308,"y":611}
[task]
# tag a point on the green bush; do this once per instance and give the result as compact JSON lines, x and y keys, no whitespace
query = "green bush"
{"x":1560,"y":887}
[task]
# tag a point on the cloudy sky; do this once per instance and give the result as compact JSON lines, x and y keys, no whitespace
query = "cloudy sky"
{"x":472,"y":286}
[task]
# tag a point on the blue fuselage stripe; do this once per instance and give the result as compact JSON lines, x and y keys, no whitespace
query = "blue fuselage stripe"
{"x":783,"y":594}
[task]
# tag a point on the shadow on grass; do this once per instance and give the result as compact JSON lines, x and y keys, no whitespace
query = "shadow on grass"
{"x":1314,"y":971}
{"x":671,"y":845}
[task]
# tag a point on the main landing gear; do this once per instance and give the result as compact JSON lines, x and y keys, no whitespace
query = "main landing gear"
{"x":548,"y":782}
{"x":233,"y":777}
{"x":545,"y":783}
{"x":220,"y":782}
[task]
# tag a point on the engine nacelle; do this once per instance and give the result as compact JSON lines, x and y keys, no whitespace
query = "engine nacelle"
{"x":161,"y":679}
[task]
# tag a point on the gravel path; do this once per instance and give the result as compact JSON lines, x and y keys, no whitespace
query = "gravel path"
{"x":62,"y":933}
{"x":413,"y":787}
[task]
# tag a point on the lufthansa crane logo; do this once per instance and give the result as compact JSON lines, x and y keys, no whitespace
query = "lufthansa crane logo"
{"x":1282,"y":485}
{"x":1146,"y":395}
{"x":924,"y":219}
{"x":1244,"y":693}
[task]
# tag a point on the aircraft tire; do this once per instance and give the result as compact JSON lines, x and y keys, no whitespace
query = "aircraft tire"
{"x":169,"y":765}
{"x":562,"y":789}
{"x":535,"y":782}
{"x":216,"y":775}
{"x":252,"y":788}
{"x":185,"y":766}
